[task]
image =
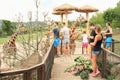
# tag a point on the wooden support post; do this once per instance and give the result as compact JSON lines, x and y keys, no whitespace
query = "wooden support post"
{"x":113,"y":46}
{"x":66,"y":18}
{"x":61,"y":48}
{"x":61,"y":16}
{"x":103,"y":63}
{"x":41,"y":73}
{"x":27,"y":75}
{"x":87,"y":24}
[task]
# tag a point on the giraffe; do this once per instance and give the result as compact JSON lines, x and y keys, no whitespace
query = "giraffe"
{"x":74,"y":36}
{"x":9,"y":48}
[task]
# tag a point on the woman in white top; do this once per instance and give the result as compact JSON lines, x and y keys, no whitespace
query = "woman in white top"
{"x":84,"y":42}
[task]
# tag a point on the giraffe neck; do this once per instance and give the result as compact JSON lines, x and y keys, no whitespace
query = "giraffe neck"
{"x":13,"y":37}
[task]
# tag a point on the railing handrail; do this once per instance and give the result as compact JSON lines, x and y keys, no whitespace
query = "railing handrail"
{"x":106,"y":56}
{"x":27,"y":69}
{"x":116,"y":41}
{"x":110,"y":52}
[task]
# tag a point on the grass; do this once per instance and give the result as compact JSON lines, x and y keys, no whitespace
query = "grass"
{"x":117,"y":37}
{"x":117,"y":45}
{"x":4,"y":39}
{"x":20,"y":37}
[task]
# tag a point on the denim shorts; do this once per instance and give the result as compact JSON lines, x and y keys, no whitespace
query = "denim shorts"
{"x":96,"y":52}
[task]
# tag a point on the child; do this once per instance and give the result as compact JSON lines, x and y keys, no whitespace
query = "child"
{"x":84,"y":42}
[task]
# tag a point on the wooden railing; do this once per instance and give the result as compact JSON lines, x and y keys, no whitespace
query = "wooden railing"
{"x":115,"y":46}
{"x":41,"y":71}
{"x":109,"y":56}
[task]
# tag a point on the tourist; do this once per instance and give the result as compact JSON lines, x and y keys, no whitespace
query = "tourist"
{"x":56,"y":38}
{"x":96,"y":50}
{"x":65,"y":39}
{"x":108,"y":34}
{"x":91,"y":38}
{"x":84,"y":42}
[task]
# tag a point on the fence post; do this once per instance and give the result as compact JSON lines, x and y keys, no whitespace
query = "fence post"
{"x":104,"y":43}
{"x":27,"y":75}
{"x":61,"y":47}
{"x":41,"y":73}
{"x":113,"y":46}
{"x":103,"y":63}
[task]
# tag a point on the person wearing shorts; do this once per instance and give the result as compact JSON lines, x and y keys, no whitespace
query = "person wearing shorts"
{"x":84,"y":42}
{"x":91,"y":38}
{"x":56,"y":38}
{"x":65,"y":39}
{"x":96,"y":50}
{"x":108,"y":34}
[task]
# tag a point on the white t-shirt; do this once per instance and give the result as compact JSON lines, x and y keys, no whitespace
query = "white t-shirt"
{"x":85,"y":38}
{"x":66,"y":30}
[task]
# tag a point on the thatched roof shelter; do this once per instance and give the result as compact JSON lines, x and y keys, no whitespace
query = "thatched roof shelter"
{"x":86,"y":9}
{"x":65,"y":7}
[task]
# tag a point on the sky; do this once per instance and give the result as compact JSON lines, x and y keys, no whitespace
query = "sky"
{"x":9,"y":9}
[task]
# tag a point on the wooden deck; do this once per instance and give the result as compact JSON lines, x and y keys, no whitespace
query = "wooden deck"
{"x":63,"y":62}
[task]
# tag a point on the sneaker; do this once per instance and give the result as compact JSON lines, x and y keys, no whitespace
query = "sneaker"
{"x":56,"y":56}
{"x":98,"y":72}
{"x":94,"y":74}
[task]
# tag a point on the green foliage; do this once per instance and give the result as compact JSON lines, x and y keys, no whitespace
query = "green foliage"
{"x":85,"y":63}
{"x":84,"y":75}
{"x":111,"y":77}
{"x":87,"y":67}
{"x":98,"y":19}
{"x":7,"y":28}
{"x":84,"y":66}
{"x":70,"y":23}
{"x":111,"y":15}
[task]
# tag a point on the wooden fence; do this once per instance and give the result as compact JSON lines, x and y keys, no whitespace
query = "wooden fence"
{"x":41,"y":71}
{"x":112,"y":57}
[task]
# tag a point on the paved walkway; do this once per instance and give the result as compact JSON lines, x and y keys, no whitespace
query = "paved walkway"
{"x":63,"y":62}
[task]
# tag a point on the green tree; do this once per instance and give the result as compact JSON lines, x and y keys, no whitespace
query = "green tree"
{"x":7,"y":27}
{"x":109,"y":15}
{"x":116,"y":19}
{"x":98,"y":19}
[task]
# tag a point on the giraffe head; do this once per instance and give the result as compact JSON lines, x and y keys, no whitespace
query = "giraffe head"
{"x":82,"y":19}
{"x":19,"y":25}
{"x":21,"y":28}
